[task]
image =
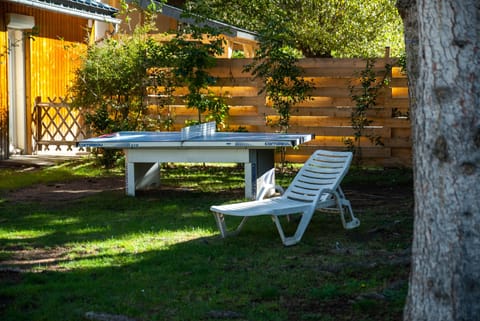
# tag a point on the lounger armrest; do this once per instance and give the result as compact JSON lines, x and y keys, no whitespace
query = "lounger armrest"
{"x":267,"y":191}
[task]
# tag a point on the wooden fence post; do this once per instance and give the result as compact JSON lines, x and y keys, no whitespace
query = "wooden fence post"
{"x":38,"y":124}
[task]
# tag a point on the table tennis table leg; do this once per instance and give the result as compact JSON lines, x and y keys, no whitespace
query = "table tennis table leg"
{"x":141,"y":175}
{"x":130,"y":179}
{"x":250,"y":181}
{"x":260,"y":173}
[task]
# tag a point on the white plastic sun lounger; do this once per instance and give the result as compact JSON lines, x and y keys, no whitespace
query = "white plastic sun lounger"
{"x":315,"y":187}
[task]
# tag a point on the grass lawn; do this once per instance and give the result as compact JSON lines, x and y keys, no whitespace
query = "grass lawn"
{"x":158,"y":256}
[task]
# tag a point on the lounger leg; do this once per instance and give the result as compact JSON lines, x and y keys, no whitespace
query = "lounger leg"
{"x":354,"y":222}
{"x":301,"y":228}
{"x":343,"y":204}
{"x":220,"y":219}
{"x":242,"y":223}
{"x":276,"y":220}
{"x":222,"y":226}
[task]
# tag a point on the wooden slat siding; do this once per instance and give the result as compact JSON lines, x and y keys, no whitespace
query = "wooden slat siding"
{"x":3,"y":85}
{"x":52,"y":65}
{"x":49,"y":64}
{"x":54,"y":53}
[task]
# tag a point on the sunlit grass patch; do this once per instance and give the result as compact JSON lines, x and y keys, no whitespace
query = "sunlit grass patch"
{"x":23,"y":234}
{"x":127,"y":249}
{"x":11,"y":179}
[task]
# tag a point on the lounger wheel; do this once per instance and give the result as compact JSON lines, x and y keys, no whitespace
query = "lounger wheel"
{"x":354,"y":223}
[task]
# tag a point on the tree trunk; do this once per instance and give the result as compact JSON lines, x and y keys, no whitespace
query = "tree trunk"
{"x":444,"y":72}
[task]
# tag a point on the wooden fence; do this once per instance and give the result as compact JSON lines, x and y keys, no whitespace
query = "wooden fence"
{"x":55,"y":125}
{"x":327,"y":114}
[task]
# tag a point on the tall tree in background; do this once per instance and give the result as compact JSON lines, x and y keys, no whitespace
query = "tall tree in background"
{"x":322,"y":28}
{"x":443,"y":64}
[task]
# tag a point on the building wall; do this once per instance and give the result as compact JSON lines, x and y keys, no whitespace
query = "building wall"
{"x":51,"y":55}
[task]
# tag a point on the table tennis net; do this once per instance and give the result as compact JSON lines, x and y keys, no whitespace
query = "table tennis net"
{"x":205,"y":129}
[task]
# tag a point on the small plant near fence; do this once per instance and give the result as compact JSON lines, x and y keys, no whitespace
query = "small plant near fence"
{"x":276,"y":63}
{"x":191,"y":53}
{"x":162,"y":94}
{"x":111,"y":86}
{"x":365,"y":98}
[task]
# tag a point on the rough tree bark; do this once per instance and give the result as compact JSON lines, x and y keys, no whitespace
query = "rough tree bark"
{"x":444,"y":71}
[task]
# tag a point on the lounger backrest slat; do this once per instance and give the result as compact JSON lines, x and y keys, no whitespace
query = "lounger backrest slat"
{"x":323,"y":170}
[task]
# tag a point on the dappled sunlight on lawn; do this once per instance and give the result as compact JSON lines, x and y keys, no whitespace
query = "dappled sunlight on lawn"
{"x":159,"y":256}
{"x":129,"y":248}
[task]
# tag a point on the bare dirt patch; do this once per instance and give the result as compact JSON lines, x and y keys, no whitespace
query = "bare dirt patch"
{"x":65,"y":191}
{"x":25,"y":260}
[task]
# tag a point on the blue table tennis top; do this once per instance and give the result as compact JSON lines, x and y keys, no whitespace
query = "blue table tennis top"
{"x":143,"y":139}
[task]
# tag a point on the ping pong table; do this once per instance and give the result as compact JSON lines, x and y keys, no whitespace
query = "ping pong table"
{"x":144,"y":151}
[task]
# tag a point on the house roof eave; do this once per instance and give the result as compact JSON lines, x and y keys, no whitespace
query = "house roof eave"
{"x":229,"y":30}
{"x":87,"y":9}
